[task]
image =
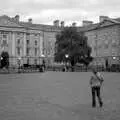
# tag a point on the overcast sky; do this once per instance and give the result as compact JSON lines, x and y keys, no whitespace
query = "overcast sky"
{"x":46,"y":11}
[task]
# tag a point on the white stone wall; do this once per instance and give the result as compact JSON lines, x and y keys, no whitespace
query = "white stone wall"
{"x":49,"y":45}
{"x":105,"y":42}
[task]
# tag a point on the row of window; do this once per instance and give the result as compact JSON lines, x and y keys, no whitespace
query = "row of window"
{"x":20,"y":33}
{"x":4,"y":40}
{"x":35,"y":61}
{"x":28,"y":34}
{"x":27,"y":42}
{"x":106,"y":46}
{"x":27,"y":51}
{"x":34,"y":34}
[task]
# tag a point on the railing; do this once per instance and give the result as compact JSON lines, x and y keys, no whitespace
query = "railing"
{"x":31,"y":69}
{"x":112,"y":68}
{"x":23,"y":69}
{"x":19,"y":65}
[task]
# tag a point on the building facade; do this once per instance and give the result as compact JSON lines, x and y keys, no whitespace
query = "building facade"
{"x":28,"y":43}
{"x":104,"y":39}
{"x":25,"y":42}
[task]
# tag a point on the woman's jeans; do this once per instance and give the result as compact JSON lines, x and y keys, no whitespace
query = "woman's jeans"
{"x":96,"y":93}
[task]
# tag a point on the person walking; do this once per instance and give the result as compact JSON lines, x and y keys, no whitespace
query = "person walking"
{"x":96,"y":83}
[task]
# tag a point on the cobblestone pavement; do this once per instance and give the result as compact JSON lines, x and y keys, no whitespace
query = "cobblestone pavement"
{"x":57,"y":96}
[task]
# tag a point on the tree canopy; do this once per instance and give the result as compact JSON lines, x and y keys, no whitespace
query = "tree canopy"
{"x":74,"y":43}
{"x":4,"y":59}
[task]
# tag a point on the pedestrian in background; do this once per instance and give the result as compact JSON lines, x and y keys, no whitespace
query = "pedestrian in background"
{"x":96,"y":83}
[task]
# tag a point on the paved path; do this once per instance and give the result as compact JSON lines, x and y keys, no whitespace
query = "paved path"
{"x":56,"y":96}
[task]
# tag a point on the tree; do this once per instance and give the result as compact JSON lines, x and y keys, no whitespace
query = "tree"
{"x":4,"y":59}
{"x":74,"y":43}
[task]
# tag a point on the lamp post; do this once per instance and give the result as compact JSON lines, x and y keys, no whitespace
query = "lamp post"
{"x":1,"y":61}
{"x":43,"y":56}
{"x":1,"y":58}
{"x":106,"y":64}
{"x":43,"y":62}
{"x":114,"y":58}
{"x":19,"y":63}
{"x":66,"y":56}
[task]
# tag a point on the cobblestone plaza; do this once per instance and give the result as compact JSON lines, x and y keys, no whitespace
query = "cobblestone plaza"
{"x":57,"y":96}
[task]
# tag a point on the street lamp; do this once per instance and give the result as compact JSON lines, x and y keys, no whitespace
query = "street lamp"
{"x":19,"y":58}
{"x":19,"y":62}
{"x":1,"y":58}
{"x":114,"y":58}
{"x":42,"y":55}
{"x":66,"y":56}
{"x":43,"y":62}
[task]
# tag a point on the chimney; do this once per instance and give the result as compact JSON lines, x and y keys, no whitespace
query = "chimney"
{"x":56,"y":23}
{"x":30,"y":20}
{"x":62,"y":23}
{"x":102,"y":18}
{"x":74,"y":24}
{"x":87,"y":23}
{"x":17,"y":17}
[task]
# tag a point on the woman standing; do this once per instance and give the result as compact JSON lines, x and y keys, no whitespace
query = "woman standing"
{"x":96,"y":82}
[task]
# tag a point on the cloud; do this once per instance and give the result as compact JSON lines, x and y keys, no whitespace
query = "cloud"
{"x":45,"y":11}
{"x":76,"y":15}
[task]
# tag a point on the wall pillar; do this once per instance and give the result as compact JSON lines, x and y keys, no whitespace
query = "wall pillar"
{"x":13,"y":44}
{"x":24,"y":49}
{"x":24,"y":45}
{"x":13,"y":53}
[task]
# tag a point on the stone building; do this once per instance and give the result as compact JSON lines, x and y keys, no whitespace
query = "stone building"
{"x":104,"y":38}
{"x":25,"y":42}
{"x":30,"y":43}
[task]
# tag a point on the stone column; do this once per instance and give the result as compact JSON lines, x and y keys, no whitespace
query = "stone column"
{"x":24,"y":48}
{"x":41,"y":44}
{"x":13,"y":44}
{"x":24,"y":45}
{"x":13,"y":60}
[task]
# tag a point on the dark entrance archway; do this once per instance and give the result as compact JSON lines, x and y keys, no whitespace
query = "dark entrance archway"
{"x":4,"y":59}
